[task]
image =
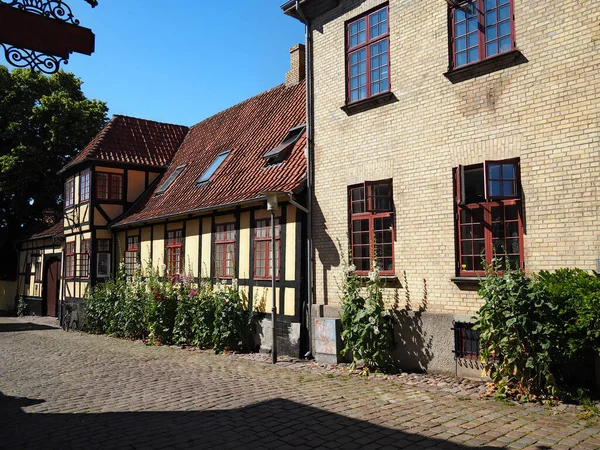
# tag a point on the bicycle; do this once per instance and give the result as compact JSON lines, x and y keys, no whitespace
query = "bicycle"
{"x":70,"y":320}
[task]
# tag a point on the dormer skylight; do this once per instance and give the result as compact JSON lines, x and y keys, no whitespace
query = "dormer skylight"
{"x":208,"y":173}
{"x":280,"y":152}
{"x":169,"y":181}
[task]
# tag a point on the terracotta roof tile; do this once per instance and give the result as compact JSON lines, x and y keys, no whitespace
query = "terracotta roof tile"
{"x":131,"y":140}
{"x":55,"y":230}
{"x":250,"y":130}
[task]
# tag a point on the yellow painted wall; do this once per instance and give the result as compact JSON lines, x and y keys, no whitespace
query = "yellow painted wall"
{"x":145,"y":246}
{"x":206,"y":261}
{"x":174,"y":225}
{"x":113,"y":211}
{"x":244,"y":269}
{"x":158,"y":247}
{"x":290,"y":302}
{"x":108,"y":169}
{"x":136,"y":183}
{"x":192,"y":240}
{"x":152,"y":176}
{"x":291,"y":261}
{"x":103,"y":234}
{"x":228,"y":218}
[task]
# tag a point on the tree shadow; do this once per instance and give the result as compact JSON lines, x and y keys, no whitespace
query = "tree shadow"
{"x":414,"y":347}
{"x":26,"y":326}
{"x":327,"y":249}
{"x":274,"y":423}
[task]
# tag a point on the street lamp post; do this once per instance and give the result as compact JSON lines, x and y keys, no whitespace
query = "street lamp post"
{"x":272,"y":206}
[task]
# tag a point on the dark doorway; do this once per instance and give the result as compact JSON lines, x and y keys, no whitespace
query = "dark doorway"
{"x":50,"y":287}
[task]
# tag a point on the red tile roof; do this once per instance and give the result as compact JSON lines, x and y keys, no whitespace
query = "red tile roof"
{"x":250,"y":130}
{"x":131,"y":140}
{"x":55,"y":230}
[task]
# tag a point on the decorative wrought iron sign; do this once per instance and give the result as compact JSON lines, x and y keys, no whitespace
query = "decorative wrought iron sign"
{"x":41,"y":34}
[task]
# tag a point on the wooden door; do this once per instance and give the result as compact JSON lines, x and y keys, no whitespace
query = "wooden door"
{"x":52,"y":283}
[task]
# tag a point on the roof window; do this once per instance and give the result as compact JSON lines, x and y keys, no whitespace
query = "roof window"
{"x":279,"y":153}
{"x":208,"y":173}
{"x":169,"y":181}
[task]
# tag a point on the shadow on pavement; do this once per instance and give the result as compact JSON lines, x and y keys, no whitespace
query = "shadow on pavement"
{"x":25,"y":326}
{"x":273,"y":424}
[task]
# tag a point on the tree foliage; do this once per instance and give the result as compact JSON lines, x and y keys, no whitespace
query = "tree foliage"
{"x":44,"y":122}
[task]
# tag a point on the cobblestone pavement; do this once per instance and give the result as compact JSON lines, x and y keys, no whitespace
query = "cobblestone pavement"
{"x":72,"y":390}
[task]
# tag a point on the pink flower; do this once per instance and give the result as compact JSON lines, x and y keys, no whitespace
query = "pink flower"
{"x":193,"y":292}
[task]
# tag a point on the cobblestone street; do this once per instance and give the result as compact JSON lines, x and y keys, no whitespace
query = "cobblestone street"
{"x":73,"y":390}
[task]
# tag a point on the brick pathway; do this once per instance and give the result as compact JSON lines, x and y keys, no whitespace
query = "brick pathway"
{"x":72,"y":390}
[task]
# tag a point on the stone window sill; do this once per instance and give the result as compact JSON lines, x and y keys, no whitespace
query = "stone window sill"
{"x":500,"y":62}
{"x":467,"y":280}
{"x":369,"y":103}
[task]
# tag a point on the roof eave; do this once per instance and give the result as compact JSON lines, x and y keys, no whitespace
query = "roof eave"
{"x":311,"y":9}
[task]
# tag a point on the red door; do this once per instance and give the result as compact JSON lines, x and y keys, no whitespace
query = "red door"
{"x":52,"y":277}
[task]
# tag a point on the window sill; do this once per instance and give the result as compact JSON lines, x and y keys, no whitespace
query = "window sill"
{"x":467,"y":280}
{"x":500,"y":62}
{"x":369,"y":103}
{"x":386,"y":278}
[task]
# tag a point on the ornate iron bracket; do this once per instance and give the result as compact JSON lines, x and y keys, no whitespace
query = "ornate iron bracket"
{"x":53,"y":9}
{"x":21,"y":57}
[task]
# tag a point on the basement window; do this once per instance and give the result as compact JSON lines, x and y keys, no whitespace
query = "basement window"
{"x":466,"y":341}
{"x":169,"y":181}
{"x":279,"y":153}
{"x":208,"y":173}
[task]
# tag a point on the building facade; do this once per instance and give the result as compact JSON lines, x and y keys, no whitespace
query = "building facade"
{"x":446,"y":133}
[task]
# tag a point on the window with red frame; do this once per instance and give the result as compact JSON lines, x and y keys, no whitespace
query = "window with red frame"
{"x":367,"y":55}
{"x":372,"y":226}
{"x":132,"y":254}
{"x":109,"y":186}
{"x":38,"y":268}
{"x":70,"y":259}
{"x":84,"y":259}
{"x":84,"y":187}
{"x":103,"y":258}
{"x":488,"y":199}
{"x":481,"y":29}
{"x":69,"y":193}
{"x":263,"y":249}
{"x":174,"y":252}
{"x":225,"y":251}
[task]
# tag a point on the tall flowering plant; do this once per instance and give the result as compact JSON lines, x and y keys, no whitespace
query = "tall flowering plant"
{"x":367,"y":327}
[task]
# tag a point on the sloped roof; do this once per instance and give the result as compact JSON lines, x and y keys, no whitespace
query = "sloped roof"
{"x":250,"y":130}
{"x":130,"y":140}
{"x":55,"y":230}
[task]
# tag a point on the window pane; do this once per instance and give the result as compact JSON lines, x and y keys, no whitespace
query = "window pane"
{"x":474,"y":54}
{"x":461,"y":59}
{"x":490,"y":4}
{"x":490,"y":33}
{"x":503,"y":12}
{"x":504,"y":44}
{"x":512,"y":212}
{"x":495,"y":188}
{"x":504,"y":28}
{"x":461,"y":44}
{"x":490,"y":17}
{"x":472,"y":40}
{"x":460,"y":29}
{"x":512,"y":229}
{"x":472,"y":25}
{"x":466,"y":247}
{"x":467,"y":263}
{"x":491,"y":48}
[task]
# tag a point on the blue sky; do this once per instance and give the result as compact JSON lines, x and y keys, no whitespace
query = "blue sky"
{"x":180,"y":61}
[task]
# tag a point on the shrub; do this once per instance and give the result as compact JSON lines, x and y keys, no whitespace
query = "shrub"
{"x":534,"y":329}
{"x":194,"y":322}
{"x":99,"y":305}
{"x":22,"y":308}
{"x":233,"y":324}
{"x":367,"y":327}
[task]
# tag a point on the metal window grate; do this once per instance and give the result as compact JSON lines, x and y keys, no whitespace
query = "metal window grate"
{"x":466,"y":341}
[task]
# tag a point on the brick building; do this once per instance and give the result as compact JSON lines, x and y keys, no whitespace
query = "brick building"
{"x":443,"y":131}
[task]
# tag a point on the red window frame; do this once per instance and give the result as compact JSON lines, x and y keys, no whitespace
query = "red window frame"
{"x":262,"y":249}
{"x":470,"y":30}
{"x":69,"y":193}
{"x":70,"y":260}
{"x":132,"y":254}
{"x":489,"y":226}
{"x":369,"y":235}
{"x":84,"y":258}
{"x":372,"y":62}
{"x":84,"y":187}
{"x":175,"y":252}
{"x":103,"y":248}
{"x":225,"y":250}
{"x":109,"y":186}
{"x":38,"y":268}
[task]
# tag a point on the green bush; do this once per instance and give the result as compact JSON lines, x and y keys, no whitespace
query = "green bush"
{"x":534,"y":329}
{"x":194,"y":322}
{"x":233,"y":322}
{"x":367,"y":326}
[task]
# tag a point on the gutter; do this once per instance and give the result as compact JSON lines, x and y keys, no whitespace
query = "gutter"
{"x":309,"y":174}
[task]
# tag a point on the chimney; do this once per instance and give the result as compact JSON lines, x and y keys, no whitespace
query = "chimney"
{"x":297,"y":65}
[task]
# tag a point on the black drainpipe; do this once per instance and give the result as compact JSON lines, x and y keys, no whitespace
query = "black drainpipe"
{"x":309,"y":173}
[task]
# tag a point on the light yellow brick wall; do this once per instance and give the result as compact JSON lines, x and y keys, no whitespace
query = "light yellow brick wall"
{"x":545,"y":111}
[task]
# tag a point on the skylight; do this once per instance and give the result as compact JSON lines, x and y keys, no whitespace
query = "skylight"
{"x":205,"y":178}
{"x":280,"y":152}
{"x":169,"y":181}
